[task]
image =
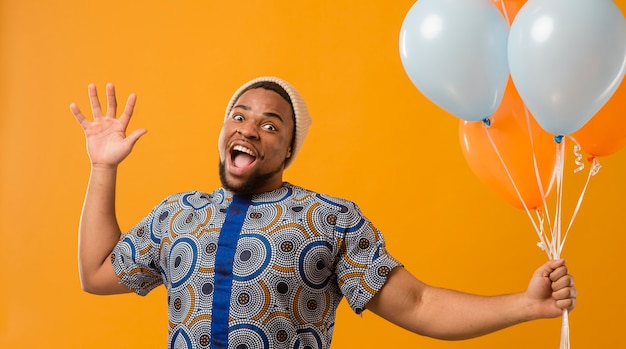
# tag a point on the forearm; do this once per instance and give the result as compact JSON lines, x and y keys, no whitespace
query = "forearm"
{"x":452,"y":315}
{"x":99,"y":231}
{"x":447,"y":314}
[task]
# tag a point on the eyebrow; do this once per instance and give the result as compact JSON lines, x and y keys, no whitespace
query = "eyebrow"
{"x":248,"y":108}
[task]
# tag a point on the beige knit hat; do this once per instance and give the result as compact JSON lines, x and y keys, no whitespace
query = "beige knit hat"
{"x":301,"y":113}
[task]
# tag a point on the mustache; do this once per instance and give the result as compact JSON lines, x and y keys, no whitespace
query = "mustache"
{"x":255,"y":180}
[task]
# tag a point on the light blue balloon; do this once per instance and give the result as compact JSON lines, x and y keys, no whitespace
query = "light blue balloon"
{"x":455,"y":53}
{"x":566,"y":58}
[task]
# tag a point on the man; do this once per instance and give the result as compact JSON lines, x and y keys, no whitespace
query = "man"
{"x":262,"y":263}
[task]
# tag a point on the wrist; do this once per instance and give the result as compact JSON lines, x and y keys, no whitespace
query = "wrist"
{"x":103,"y":167}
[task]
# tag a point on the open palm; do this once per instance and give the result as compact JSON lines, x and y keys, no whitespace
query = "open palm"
{"x":107,"y":142}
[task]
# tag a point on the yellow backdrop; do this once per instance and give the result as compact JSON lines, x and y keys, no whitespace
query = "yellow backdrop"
{"x":375,"y":139}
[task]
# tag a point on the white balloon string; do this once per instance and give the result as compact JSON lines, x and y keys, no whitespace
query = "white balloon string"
{"x":595,"y":166}
{"x":577,"y":156}
{"x":546,"y":246}
{"x":565,"y":330}
{"x":593,"y":170}
{"x":537,"y":175}
{"x":556,"y":231}
{"x":519,"y":195}
{"x":556,"y":245}
{"x":506,"y":15}
{"x":543,"y":245}
{"x":542,"y":192}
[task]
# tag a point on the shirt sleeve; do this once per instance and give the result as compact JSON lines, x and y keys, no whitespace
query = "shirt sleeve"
{"x":365,"y":263}
{"x":135,"y":258}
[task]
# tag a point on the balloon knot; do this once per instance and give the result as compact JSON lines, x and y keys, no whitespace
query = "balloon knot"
{"x":487,"y":122}
{"x":558,"y":139}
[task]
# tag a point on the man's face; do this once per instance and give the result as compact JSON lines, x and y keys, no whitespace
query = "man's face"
{"x":255,"y":141}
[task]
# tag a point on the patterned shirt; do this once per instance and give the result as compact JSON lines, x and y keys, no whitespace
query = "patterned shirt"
{"x":260,"y":271}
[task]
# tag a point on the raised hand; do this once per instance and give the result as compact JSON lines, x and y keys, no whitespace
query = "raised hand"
{"x":107,"y":142}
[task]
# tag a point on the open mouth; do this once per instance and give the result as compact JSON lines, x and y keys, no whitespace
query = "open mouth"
{"x":241,"y":156}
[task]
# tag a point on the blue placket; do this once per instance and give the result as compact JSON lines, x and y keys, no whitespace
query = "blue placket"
{"x":225,"y":254}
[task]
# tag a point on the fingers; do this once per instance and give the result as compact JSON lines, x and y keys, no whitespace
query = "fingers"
{"x":79,"y":115}
{"x":96,"y":108}
{"x":558,"y":274}
{"x":111,"y":100}
{"x":128,"y":109}
{"x":93,"y":100}
{"x":552,"y":265}
{"x":568,"y":303}
{"x":565,"y":298}
{"x":563,"y":289}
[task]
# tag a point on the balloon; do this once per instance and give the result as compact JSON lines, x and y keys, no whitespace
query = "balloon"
{"x":566,"y":58}
{"x":605,"y":133}
{"x":454,"y":52}
{"x":510,"y":132}
{"x":511,"y":7}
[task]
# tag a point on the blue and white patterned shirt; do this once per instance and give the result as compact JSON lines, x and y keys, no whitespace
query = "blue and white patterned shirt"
{"x":261,"y":271}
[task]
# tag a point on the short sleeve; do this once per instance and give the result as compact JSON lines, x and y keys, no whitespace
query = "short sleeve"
{"x":135,"y":258}
{"x":365,"y":263}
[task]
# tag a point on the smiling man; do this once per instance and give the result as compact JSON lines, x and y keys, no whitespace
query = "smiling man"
{"x":257,"y":138}
{"x":263,"y":263}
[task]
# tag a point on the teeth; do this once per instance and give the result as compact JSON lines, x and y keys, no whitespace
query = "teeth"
{"x":243,"y":149}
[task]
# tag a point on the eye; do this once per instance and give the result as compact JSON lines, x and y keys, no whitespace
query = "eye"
{"x":238,"y":117}
{"x":269,"y":127}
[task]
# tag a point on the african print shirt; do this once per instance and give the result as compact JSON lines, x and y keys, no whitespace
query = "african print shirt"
{"x":264,"y":271}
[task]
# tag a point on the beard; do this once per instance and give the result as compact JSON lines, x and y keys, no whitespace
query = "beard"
{"x":255,"y":181}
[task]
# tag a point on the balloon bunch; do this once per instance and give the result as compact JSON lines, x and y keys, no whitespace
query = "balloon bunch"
{"x":524,"y":77}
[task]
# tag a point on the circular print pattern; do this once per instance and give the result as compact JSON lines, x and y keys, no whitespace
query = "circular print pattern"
{"x":314,"y":262}
{"x":201,"y":330}
{"x":252,"y":257}
{"x":195,"y":200}
{"x":247,"y":336}
{"x":180,"y":305}
{"x":249,"y":300}
{"x":280,"y":330}
{"x":180,"y":340}
{"x":310,"y":307}
{"x":127,"y":248}
{"x":183,"y":258}
{"x":285,"y":246}
{"x":308,"y":338}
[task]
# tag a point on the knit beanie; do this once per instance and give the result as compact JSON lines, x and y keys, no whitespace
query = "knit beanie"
{"x":301,"y":114}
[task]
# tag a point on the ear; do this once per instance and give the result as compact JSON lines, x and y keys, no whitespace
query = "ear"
{"x":288,"y":153}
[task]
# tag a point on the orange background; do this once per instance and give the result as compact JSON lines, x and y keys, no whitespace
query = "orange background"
{"x":375,"y":139}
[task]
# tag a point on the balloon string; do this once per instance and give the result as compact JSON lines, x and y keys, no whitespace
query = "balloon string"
{"x":536,"y":166}
{"x":565,"y":330}
{"x":519,"y":195}
{"x":556,"y":244}
{"x":578,"y":156}
{"x":556,"y":232}
{"x":543,"y":245}
{"x":506,"y":15}
{"x":593,"y":170}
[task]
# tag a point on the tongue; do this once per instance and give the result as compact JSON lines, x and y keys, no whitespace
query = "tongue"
{"x":243,"y":160}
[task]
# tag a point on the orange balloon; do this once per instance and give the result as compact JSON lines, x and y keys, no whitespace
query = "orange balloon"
{"x":509,"y":131}
{"x":605,"y":133}
{"x":511,"y":7}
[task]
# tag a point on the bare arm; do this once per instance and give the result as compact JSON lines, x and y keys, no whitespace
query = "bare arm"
{"x":451,"y":315}
{"x":99,"y":232}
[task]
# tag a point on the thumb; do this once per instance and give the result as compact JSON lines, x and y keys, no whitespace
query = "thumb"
{"x":550,"y":266}
{"x":135,"y":135}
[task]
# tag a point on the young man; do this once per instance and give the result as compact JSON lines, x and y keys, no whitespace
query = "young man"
{"x":262,"y":263}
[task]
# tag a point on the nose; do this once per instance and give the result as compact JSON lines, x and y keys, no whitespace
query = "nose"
{"x":248,"y":130}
